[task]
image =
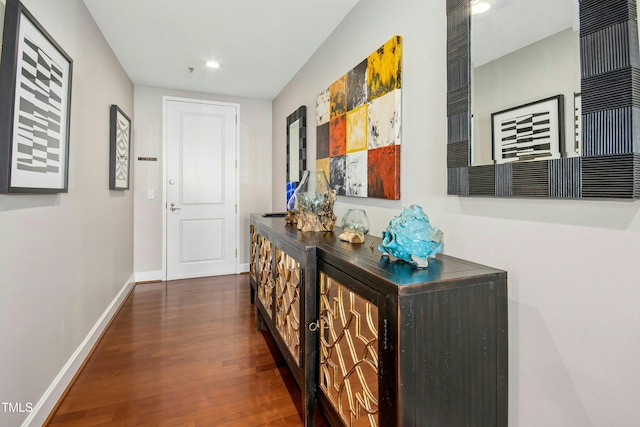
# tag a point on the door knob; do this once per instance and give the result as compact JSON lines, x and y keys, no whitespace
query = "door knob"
{"x":173,"y":207}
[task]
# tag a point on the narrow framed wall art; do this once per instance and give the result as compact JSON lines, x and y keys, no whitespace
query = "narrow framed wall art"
{"x":35,"y":106}
{"x":119,"y":149}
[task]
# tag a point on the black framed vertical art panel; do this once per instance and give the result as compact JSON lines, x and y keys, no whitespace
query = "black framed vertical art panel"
{"x":35,"y":106}
{"x":296,"y":144}
{"x":119,"y":149}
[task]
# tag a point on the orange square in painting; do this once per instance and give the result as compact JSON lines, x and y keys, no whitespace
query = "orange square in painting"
{"x":383,"y":172}
{"x":337,"y":137}
{"x":338,"y":97}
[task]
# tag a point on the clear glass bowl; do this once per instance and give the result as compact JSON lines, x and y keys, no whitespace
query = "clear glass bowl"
{"x":356,"y":220}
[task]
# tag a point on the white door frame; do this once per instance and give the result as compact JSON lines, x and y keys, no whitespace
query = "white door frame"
{"x":166,"y":99}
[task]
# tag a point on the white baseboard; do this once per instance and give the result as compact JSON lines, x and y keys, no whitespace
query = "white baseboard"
{"x":152,"y":276}
{"x":49,"y":399}
{"x":148,"y":276}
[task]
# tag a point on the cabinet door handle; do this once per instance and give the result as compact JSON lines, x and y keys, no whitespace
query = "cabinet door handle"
{"x":315,"y":326}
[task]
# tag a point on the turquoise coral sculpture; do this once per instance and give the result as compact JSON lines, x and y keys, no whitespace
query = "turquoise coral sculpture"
{"x":411,"y":237}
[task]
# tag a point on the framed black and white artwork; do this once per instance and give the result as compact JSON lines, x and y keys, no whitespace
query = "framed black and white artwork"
{"x":119,"y":149}
{"x":531,"y":131}
{"x":35,"y":102}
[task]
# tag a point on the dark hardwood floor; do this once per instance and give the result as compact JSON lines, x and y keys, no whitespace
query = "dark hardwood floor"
{"x":184,"y":353}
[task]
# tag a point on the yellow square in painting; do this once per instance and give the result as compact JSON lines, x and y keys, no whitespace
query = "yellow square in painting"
{"x":338,"y":97}
{"x":324,"y":165}
{"x":357,"y":129}
{"x":384,"y":68}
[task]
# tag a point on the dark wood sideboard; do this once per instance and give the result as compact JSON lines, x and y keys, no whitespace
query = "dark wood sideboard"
{"x":376,"y":342}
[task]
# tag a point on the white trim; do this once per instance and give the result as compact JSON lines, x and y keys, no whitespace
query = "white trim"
{"x":243,"y":268}
{"x":148,"y":276}
{"x":166,"y":99}
{"x":47,"y":402}
{"x":238,"y":158}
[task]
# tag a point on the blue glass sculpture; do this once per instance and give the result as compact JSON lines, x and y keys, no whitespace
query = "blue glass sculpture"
{"x":411,"y":237}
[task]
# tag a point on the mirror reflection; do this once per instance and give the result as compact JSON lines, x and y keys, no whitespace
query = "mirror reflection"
{"x":2,"y":7}
{"x":525,"y":80}
{"x":294,"y":152}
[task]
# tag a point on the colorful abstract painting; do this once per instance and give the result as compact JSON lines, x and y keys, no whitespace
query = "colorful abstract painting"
{"x":358,"y":130}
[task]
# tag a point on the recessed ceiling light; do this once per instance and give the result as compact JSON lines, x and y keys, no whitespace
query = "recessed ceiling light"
{"x":213,"y":64}
{"x":478,"y":7}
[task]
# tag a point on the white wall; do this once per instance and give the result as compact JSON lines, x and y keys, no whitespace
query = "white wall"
{"x":574,"y":286}
{"x":65,"y":257}
{"x":254,"y":171}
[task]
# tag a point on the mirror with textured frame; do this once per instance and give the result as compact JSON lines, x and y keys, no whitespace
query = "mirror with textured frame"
{"x":609,"y":164}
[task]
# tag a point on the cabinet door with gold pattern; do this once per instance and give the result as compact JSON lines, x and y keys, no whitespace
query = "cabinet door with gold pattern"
{"x":265,"y":280}
{"x":349,"y":351}
{"x":288,"y":279}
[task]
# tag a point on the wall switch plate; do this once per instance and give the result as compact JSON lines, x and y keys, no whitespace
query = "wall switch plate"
{"x":151,"y":194}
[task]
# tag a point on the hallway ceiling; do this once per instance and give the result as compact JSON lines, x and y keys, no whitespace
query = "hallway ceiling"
{"x":260,"y":45}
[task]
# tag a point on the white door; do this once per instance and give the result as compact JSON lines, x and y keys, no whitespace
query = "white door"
{"x":200,"y":189}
